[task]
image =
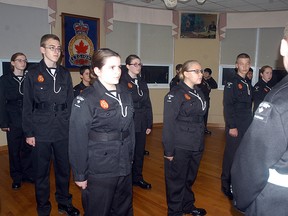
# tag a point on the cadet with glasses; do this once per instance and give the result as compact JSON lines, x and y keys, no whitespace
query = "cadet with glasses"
{"x":11,"y":103}
{"x":143,"y":118}
{"x":48,"y":95}
{"x":183,"y":140}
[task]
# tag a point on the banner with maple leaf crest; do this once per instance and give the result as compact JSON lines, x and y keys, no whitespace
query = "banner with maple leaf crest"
{"x":80,"y":36}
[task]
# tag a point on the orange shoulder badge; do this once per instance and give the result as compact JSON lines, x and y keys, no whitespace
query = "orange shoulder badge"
{"x":130,"y":86}
{"x":40,"y":78}
{"x":240,"y":86}
{"x":187,"y":97}
{"x":104,"y":104}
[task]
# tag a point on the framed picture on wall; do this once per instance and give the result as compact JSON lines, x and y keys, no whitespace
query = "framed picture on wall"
{"x":195,"y":25}
{"x":80,"y":37}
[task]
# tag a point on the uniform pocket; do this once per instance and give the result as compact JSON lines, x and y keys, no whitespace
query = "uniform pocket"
{"x":103,"y":158}
{"x":41,"y":91}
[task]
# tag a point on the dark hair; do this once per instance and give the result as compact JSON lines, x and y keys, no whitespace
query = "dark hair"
{"x":178,"y":67}
{"x":250,"y":69}
{"x":208,"y":70}
{"x":83,"y":68}
{"x":130,"y":58}
{"x":46,"y":37}
{"x":242,"y":55}
{"x":13,"y":58}
{"x":262,"y":69}
{"x":99,"y":59}
{"x":186,"y":66}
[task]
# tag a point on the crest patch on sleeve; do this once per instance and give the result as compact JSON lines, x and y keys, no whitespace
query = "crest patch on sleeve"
{"x":78,"y":101}
{"x":169,"y":98}
{"x":263,"y":111}
{"x":229,"y":84}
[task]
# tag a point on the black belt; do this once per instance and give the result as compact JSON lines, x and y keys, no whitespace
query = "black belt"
{"x":50,"y":107}
{"x":15,"y":102}
{"x":192,"y":119}
{"x":110,"y":136}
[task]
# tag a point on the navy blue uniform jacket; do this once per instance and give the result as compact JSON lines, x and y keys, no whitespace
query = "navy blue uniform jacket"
{"x":97,"y":111}
{"x":183,"y":126}
{"x":47,"y":125}
{"x":11,"y":101}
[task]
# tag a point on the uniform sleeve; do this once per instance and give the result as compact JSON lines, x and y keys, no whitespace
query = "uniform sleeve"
{"x":70,"y":93}
{"x":262,"y":146}
{"x":171,"y":110}
{"x":229,"y":109}
{"x":149,"y":112}
{"x":3,"y":112}
{"x":212,"y":83}
{"x":257,"y":97}
{"x":28,"y":100}
{"x":80,"y":121}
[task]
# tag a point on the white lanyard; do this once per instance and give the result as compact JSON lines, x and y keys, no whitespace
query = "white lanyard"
{"x":139,"y":91}
{"x":248,"y":89}
{"x":54,"y":81}
{"x":202,"y":103}
{"x":124,"y":113}
{"x":19,"y":84}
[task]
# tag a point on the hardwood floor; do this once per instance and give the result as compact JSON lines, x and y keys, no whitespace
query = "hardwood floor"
{"x":146,"y":202}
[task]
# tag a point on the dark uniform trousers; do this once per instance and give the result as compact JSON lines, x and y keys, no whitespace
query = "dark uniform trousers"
{"x":180,"y":174}
{"x":20,"y":159}
{"x":42,"y":154}
{"x":232,"y":144}
{"x":140,"y":141}
{"x":117,"y":189}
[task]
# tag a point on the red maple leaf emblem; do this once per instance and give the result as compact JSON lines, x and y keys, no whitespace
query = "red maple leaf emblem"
{"x":81,"y":48}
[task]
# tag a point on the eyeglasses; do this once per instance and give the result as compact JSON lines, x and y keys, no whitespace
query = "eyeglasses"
{"x":53,"y":48}
{"x":21,"y":60}
{"x":137,"y":65}
{"x":196,"y":71}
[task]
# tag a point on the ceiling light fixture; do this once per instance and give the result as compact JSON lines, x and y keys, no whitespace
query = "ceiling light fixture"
{"x":170,"y":4}
{"x":200,"y":2}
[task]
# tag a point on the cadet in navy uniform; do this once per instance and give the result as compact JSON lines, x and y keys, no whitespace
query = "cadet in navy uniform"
{"x":183,"y":139}
{"x":143,"y":118}
{"x":48,"y":95}
{"x":260,"y":167}
{"x":262,"y":87}
{"x":11,"y":101}
{"x":102,"y":140}
{"x":206,"y":85}
{"x":85,"y":80}
{"x":238,"y":116}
